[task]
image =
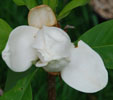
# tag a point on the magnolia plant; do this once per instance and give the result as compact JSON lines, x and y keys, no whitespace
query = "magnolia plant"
{"x":44,"y":44}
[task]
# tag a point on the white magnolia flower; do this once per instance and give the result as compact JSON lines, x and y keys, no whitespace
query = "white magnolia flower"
{"x":51,"y":48}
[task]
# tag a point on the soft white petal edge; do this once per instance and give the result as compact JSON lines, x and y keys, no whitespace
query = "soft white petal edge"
{"x":18,"y":53}
{"x":86,"y":71}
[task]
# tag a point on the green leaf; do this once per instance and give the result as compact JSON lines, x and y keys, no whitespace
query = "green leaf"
{"x":51,"y":3}
{"x":18,"y":92}
{"x":54,"y":4}
{"x":71,"y":5}
{"x":5,"y":29}
{"x":11,"y":82}
{"x":46,"y":2}
{"x":100,"y":38}
{"x":29,"y":3}
{"x":28,"y":93}
{"x":19,"y":2}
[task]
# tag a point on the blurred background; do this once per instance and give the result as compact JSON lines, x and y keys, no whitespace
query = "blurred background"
{"x":80,"y":19}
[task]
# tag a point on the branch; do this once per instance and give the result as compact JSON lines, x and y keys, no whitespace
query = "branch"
{"x":51,"y":87}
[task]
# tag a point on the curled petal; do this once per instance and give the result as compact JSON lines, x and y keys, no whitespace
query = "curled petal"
{"x":41,"y":15}
{"x":41,"y":64}
{"x":18,"y":53}
{"x":86,"y":71}
{"x":51,"y":44}
{"x":56,"y":65}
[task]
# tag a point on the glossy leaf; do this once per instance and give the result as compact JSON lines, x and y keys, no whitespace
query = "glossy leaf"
{"x":71,"y":5}
{"x":100,"y":38}
{"x":29,"y":3}
{"x":19,"y":2}
{"x":21,"y":89}
{"x":5,"y":29}
{"x":28,"y":93}
{"x":11,"y":82}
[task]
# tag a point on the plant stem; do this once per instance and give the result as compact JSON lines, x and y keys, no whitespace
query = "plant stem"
{"x":91,"y":97}
{"x":51,"y":87}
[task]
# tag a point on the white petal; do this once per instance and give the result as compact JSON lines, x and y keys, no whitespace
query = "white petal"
{"x":41,"y":64}
{"x":52,"y":44}
{"x":18,"y":53}
{"x":86,"y":71}
{"x":41,"y":15}
{"x":56,"y":65}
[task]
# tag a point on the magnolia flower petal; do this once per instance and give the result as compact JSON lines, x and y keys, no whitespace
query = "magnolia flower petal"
{"x":86,"y":71}
{"x":41,"y":15}
{"x":40,"y":64}
{"x":18,"y":53}
{"x":52,"y":43}
{"x":56,"y":65}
